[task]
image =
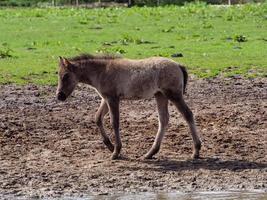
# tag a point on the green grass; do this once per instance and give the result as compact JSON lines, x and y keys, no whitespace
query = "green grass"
{"x":213,"y":40}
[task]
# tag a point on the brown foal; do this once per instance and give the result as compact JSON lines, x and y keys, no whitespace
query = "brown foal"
{"x":116,"y":78}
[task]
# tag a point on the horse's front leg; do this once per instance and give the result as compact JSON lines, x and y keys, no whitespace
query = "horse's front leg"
{"x":100,"y":114}
{"x":113,"y":104}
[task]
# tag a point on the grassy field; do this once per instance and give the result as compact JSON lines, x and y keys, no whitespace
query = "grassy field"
{"x":213,"y":40}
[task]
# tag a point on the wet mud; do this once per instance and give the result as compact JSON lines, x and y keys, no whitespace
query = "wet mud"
{"x":52,"y":149}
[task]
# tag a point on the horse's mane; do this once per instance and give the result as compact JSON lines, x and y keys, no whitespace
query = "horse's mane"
{"x":85,"y":57}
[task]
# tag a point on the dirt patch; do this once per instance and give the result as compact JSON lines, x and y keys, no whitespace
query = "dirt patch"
{"x":52,"y":149}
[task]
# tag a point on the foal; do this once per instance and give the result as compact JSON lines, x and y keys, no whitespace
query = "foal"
{"x":116,"y":78}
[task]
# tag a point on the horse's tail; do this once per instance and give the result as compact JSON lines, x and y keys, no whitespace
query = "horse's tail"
{"x":185,"y":76}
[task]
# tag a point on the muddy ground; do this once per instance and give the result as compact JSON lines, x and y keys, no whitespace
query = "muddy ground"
{"x":49,"y":148}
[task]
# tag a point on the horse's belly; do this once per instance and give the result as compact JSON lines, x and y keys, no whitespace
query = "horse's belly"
{"x":139,"y":93}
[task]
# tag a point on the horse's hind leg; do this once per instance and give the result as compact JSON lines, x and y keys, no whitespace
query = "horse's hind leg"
{"x":179,"y":102}
{"x":162,"y":105}
{"x":102,"y":111}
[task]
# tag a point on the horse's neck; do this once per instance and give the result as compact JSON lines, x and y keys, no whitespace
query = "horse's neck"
{"x":90,"y":72}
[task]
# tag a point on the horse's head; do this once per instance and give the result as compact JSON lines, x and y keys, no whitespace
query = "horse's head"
{"x":67,"y":79}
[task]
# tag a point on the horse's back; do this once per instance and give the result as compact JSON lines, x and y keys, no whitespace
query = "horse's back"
{"x":152,"y":62}
{"x":145,"y":77}
{"x":164,"y":70}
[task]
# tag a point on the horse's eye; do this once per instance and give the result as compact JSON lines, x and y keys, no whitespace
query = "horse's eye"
{"x":65,"y":77}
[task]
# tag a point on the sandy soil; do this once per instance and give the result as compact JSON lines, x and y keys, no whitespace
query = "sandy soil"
{"x":49,"y":148}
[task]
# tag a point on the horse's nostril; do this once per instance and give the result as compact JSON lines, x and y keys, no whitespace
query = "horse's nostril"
{"x":61,"y":96}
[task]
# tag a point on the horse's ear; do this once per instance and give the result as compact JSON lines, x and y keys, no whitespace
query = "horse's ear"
{"x":64,"y":62}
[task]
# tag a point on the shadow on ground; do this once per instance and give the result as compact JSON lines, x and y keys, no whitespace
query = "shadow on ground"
{"x":207,"y":163}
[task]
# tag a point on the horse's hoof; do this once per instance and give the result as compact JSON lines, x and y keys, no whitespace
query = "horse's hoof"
{"x":148,"y":157}
{"x":195,"y":156}
{"x":114,"y":157}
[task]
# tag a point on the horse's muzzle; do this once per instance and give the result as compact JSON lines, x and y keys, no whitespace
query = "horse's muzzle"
{"x":61,"y":96}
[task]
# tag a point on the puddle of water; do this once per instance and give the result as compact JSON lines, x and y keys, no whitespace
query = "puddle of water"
{"x":233,"y":195}
{"x":229,"y":195}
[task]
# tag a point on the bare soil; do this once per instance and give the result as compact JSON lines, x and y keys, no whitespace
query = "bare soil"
{"x":50,"y":149}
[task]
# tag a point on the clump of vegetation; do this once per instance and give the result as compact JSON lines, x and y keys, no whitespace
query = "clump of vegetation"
{"x":83,"y":21}
{"x":240,"y":38}
{"x":111,"y":50}
{"x":127,"y":39}
{"x":6,"y":53}
{"x":168,"y":30}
